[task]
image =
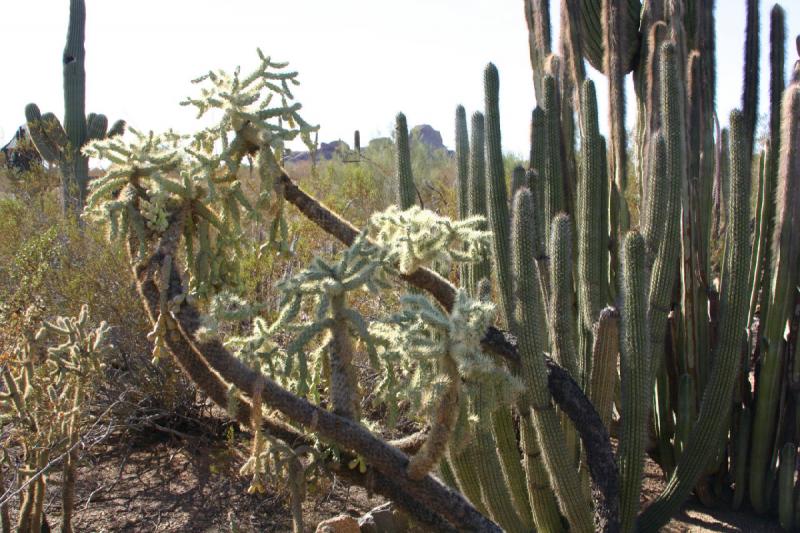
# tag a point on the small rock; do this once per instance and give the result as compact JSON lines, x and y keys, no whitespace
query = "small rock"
{"x":384,"y":519}
{"x":339,"y":524}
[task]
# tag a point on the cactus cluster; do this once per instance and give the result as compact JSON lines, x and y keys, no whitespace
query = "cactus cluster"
{"x":672,"y":294}
{"x":679,"y":345}
{"x":49,"y":381}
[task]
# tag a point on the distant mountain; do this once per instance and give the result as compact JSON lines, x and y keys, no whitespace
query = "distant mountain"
{"x":423,"y":133}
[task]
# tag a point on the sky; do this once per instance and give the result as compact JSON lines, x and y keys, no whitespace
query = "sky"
{"x":360,"y":62}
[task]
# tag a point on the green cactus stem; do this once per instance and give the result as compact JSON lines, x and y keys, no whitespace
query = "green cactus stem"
{"x":591,"y":255}
{"x":530,"y":328}
{"x":787,"y":469}
{"x":603,"y":380}
{"x":784,"y":274}
{"x":496,"y":193}
{"x":752,"y":49}
{"x":635,"y":372}
{"x":716,"y":402}
{"x":407,"y":192}
{"x":476,"y":193}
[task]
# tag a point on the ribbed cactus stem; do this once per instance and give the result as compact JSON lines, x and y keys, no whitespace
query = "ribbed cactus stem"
{"x":786,"y":473}
{"x":75,"y":94}
{"x":591,"y":256}
{"x":740,"y":456}
{"x":496,"y":491}
{"x":539,"y":141}
{"x":407,"y":192}
{"x":476,"y":193}
{"x":668,"y":247}
{"x":614,"y":70}
{"x":553,"y":172}
{"x":496,"y":193}
{"x":462,"y":180}
{"x":530,"y":330}
{"x":465,"y":469}
{"x":518,"y":179}
{"x":784,"y":274}
{"x":462,"y":162}
{"x":603,"y":380}
{"x":716,"y":402}
{"x":654,"y":222}
{"x":635,"y":372}
{"x":561,"y":302}
{"x":752,"y":50}
{"x":537,"y":17}
{"x":508,"y":450}
{"x":542,"y":500}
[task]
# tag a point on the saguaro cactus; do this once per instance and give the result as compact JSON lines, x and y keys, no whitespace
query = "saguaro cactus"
{"x":62,"y":144}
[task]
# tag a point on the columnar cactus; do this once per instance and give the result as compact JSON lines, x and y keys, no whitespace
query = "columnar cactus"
{"x":62,"y":145}
{"x":407,"y":191}
{"x":496,"y":191}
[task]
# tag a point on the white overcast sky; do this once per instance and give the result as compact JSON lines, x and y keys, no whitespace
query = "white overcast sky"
{"x":360,"y":62}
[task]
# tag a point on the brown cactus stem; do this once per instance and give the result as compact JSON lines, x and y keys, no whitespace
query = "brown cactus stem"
{"x":427,"y":499}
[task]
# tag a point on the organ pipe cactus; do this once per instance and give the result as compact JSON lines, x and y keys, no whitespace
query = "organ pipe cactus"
{"x":62,"y":145}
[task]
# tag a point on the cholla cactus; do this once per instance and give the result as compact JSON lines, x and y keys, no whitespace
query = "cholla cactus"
{"x":417,"y":237}
{"x":48,"y":383}
{"x":154,"y":176}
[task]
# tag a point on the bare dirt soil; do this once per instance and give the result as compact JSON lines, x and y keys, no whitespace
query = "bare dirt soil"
{"x":191,"y":484}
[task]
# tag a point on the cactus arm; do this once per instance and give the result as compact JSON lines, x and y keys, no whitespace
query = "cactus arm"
{"x":602,"y":384}
{"x":46,"y":133}
{"x":788,"y":465}
{"x":407,"y":192}
{"x":752,"y":50}
{"x":118,"y":128}
{"x":476,"y":193}
{"x":508,"y":450}
{"x":462,"y":179}
{"x":716,"y":396}
{"x":462,"y":162}
{"x":530,"y":328}
{"x":784,"y":274}
{"x":496,"y":192}
{"x":635,"y":371}
{"x":541,"y":496}
{"x":612,"y":64}
{"x":96,"y":126}
{"x":553,"y":171}
{"x":591,"y":256}
{"x":537,"y":18}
